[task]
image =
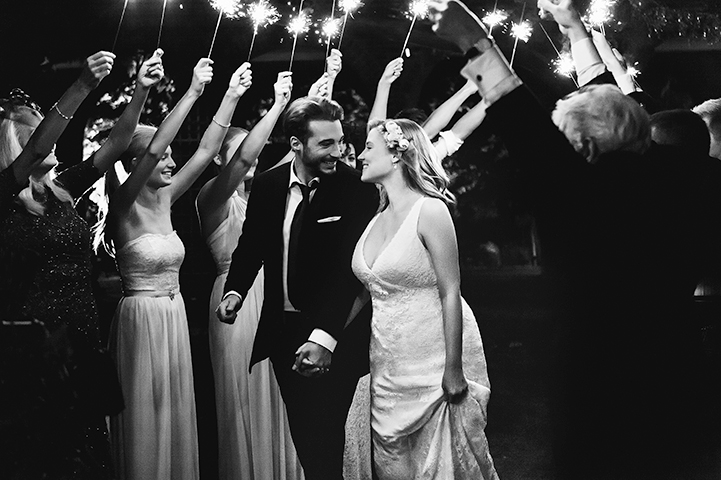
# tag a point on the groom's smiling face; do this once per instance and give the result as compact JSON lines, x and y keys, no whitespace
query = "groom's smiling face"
{"x":322,"y":150}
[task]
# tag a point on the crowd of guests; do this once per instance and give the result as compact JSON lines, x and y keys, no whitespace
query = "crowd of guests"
{"x":340,"y":344}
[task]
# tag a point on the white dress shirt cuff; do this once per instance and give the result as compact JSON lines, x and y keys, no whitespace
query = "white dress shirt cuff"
{"x":492,"y":74}
{"x":447,"y":144}
{"x":323,"y":339}
{"x":232,"y":292}
{"x":587,"y":61}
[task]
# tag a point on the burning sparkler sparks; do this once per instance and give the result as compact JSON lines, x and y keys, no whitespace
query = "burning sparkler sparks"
{"x":495,"y":18}
{"x":262,"y":14}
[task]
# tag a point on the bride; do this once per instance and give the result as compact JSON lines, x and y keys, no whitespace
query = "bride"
{"x":428,"y":383}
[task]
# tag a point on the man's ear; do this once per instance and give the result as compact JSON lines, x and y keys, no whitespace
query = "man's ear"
{"x":295,"y":144}
{"x":589,"y":149}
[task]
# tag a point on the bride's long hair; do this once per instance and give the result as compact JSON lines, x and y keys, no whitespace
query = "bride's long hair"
{"x":421,"y":167}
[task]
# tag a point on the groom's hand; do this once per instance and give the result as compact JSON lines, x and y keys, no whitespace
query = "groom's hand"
{"x":312,"y":360}
{"x":228,"y":308}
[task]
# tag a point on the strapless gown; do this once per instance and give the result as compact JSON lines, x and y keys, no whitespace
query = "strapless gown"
{"x":155,"y":437}
{"x":415,"y":432}
{"x":254,"y":441}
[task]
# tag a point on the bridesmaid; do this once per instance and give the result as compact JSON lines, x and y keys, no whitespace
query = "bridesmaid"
{"x":253,"y":437}
{"x":46,"y":277}
{"x":155,"y":437}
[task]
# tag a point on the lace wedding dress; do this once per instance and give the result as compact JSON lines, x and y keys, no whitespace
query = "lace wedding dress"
{"x":415,"y":432}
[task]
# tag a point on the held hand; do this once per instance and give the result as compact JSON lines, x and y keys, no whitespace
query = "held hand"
{"x":202,"y":75}
{"x":312,"y":360}
{"x":97,"y":67}
{"x":319,"y":87}
{"x":241,"y":80}
{"x":392,"y":71}
{"x":335,"y":63}
{"x":454,"y":384}
{"x":228,"y":308}
{"x":283,"y":88}
{"x":151,"y":71}
{"x":564,"y":13}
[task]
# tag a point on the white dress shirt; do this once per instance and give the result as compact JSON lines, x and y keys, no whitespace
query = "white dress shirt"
{"x":295,"y":196}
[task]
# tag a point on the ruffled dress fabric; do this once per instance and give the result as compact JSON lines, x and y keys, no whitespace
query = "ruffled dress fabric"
{"x":415,"y":432}
{"x":156,"y":435}
{"x":254,"y":441}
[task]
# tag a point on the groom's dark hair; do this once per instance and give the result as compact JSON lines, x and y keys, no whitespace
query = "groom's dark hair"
{"x":305,"y":109}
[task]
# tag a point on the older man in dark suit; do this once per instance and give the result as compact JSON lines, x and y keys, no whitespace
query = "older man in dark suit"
{"x":627,"y":229}
{"x":303,"y":221}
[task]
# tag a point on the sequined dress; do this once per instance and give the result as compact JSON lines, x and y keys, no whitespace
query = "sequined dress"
{"x":47,"y":274}
{"x":254,"y":440}
{"x":415,"y":432}
{"x":156,"y":436}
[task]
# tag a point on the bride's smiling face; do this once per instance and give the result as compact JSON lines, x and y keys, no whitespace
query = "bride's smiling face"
{"x":376,"y":160}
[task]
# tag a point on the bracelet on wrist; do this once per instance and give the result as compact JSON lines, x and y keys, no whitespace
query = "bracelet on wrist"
{"x":220,"y":124}
{"x":55,"y":107}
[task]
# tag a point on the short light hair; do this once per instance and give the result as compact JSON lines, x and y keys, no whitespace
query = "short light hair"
{"x":603,"y":114}
{"x":710,"y":111}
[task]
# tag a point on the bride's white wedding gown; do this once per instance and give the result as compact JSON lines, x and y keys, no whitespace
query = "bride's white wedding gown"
{"x":415,"y":432}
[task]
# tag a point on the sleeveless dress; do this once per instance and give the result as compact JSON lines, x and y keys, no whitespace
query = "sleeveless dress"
{"x":415,"y":432}
{"x":254,"y":441}
{"x":155,"y":437}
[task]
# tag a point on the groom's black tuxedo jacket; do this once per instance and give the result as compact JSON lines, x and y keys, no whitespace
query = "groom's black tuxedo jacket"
{"x":339,"y":211}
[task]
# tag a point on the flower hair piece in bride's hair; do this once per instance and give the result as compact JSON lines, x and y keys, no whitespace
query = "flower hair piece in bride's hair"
{"x":394,"y":137}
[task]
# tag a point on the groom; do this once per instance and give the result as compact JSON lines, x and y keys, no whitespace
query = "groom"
{"x":303,"y":221}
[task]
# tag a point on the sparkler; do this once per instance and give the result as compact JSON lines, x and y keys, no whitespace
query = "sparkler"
{"x":297,"y":26}
{"x":262,"y":14}
{"x":162,"y":19}
{"x":419,"y":9}
{"x":117,"y":32}
{"x":231,"y":9}
{"x":564,"y":63}
{"x":330,"y":28}
{"x":348,"y":7}
{"x":633,"y":71}
{"x":494,"y":18}
{"x":520,"y":31}
{"x":600,"y":12}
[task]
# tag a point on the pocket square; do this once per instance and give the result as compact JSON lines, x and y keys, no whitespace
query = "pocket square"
{"x":328,"y":219}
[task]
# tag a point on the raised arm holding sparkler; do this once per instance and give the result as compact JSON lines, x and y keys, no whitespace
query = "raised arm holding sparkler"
{"x":393,"y":70}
